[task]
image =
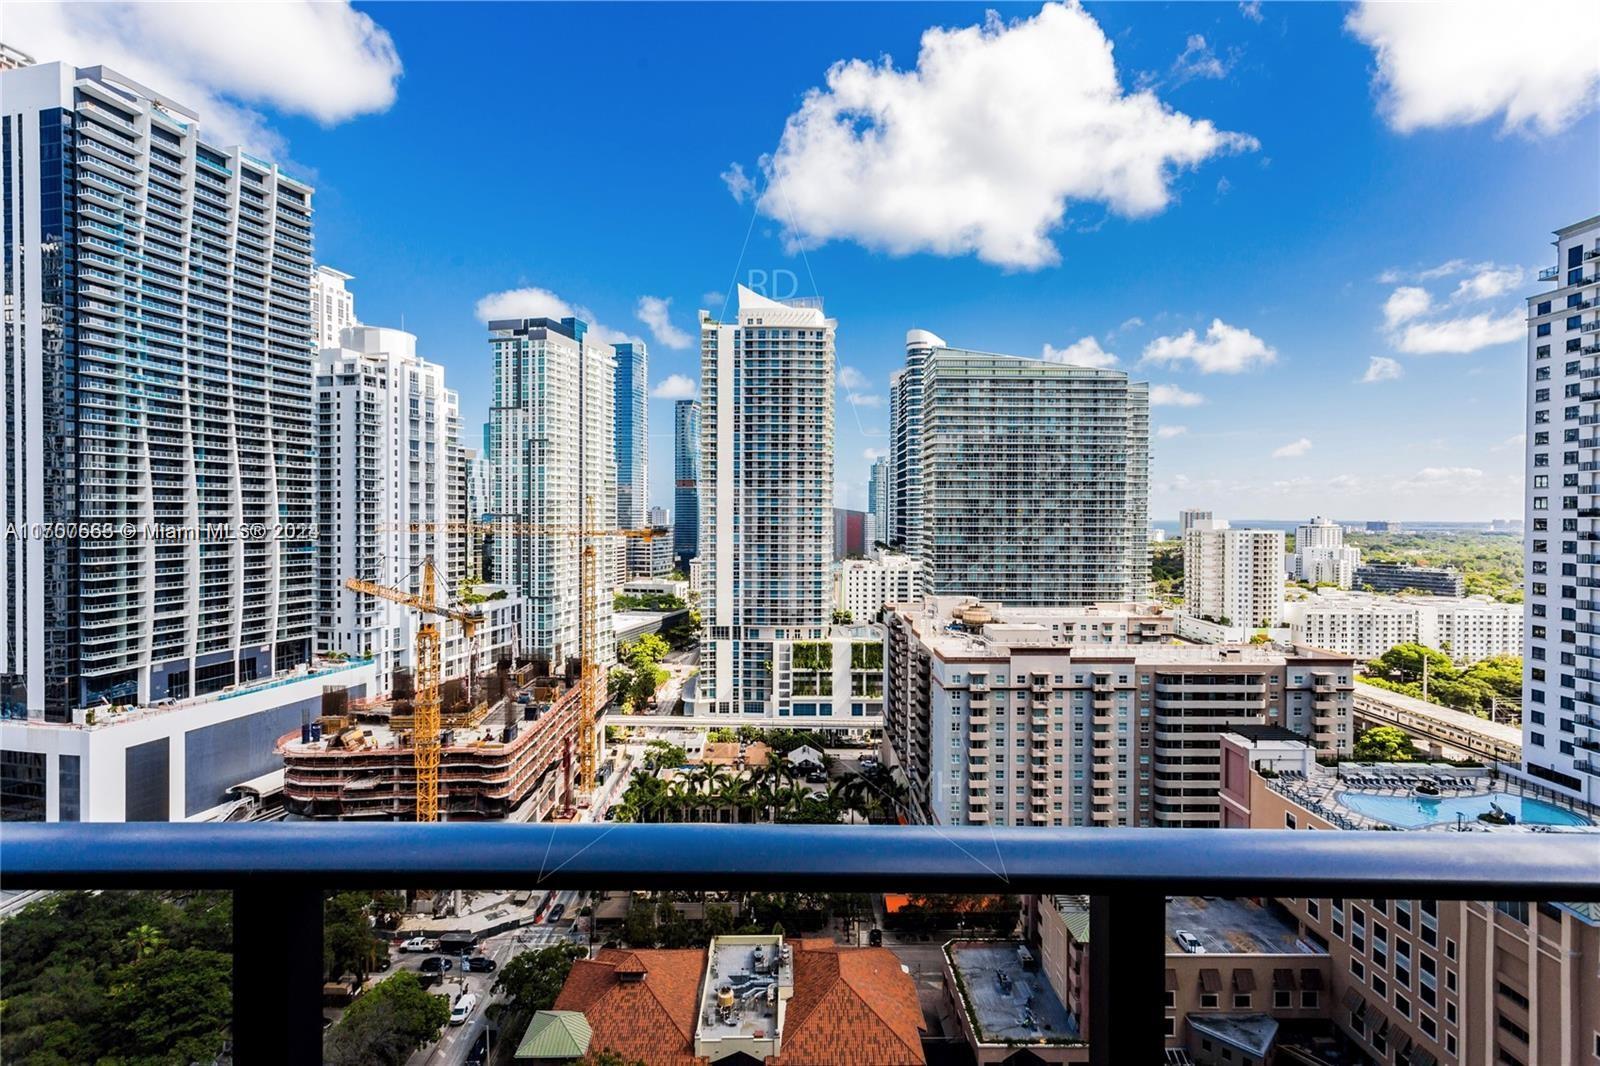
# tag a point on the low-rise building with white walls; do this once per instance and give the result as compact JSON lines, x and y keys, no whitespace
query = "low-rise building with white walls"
{"x":1320,"y":556}
{"x":1366,"y":624}
{"x":1233,"y":576}
{"x":169,"y":762}
{"x":865,"y":586}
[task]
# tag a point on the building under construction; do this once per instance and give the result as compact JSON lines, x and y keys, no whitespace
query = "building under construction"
{"x":509,"y":753}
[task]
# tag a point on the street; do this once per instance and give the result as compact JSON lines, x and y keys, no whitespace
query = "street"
{"x":457,"y":1041}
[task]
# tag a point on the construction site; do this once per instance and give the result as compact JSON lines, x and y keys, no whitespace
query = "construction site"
{"x":507,"y":751}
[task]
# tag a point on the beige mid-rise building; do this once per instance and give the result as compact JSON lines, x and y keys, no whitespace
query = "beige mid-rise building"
{"x":1233,"y":576}
{"x":1085,"y":716}
{"x":1421,"y":981}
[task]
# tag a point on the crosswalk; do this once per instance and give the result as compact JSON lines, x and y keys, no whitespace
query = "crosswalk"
{"x":534,"y":937}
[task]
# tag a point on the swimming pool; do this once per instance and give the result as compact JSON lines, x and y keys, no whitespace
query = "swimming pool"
{"x":1413,"y":812}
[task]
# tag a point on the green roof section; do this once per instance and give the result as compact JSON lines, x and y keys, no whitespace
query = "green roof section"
{"x":555,"y":1034}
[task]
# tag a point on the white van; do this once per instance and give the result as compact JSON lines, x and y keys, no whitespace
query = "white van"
{"x":464,"y":1006}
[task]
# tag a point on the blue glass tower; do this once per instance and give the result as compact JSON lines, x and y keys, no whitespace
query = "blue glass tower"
{"x":686,"y":482}
{"x":631,"y":430}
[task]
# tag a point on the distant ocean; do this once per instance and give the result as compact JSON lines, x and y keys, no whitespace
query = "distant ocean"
{"x":1171,"y":525}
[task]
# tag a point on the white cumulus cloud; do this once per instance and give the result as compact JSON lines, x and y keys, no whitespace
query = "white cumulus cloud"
{"x":1381,"y":368}
{"x":1487,"y":283}
{"x":1293,"y":450}
{"x":853,"y":379}
{"x":326,"y":61}
{"x":1197,"y":60}
{"x":656,"y":312}
{"x":1404,"y":304}
{"x":1173,"y":396}
{"x":1168,"y":432}
{"x":1225,"y":349}
{"x":981,"y":147}
{"x":1250,"y":9}
{"x":675,"y":387}
{"x":740,"y":187}
{"x":532,"y":302}
{"x":1083,"y":352}
{"x":1534,"y":66}
{"x":1457,"y":336}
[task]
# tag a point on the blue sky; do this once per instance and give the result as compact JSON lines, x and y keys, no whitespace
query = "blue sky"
{"x":1295,"y":165}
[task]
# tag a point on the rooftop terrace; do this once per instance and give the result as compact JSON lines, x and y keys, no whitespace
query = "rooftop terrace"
{"x":1005,"y":1001}
{"x":1232,"y":927}
{"x":747,"y":985}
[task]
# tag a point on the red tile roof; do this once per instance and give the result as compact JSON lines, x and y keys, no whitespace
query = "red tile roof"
{"x":851,"y":1006}
{"x":651,"y":1019}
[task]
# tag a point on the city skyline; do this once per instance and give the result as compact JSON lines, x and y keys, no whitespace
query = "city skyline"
{"x":1235,"y":195}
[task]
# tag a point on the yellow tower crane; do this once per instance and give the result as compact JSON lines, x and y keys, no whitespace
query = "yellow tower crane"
{"x":425,"y":720}
{"x":588,"y":637}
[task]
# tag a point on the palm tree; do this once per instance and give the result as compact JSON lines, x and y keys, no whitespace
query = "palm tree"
{"x":730,"y":798}
{"x":144,"y":939}
{"x":768,"y":793}
{"x":792,"y":799}
{"x":711,"y":783}
{"x":680,"y":798}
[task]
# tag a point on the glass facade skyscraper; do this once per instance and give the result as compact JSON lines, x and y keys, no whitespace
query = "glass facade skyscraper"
{"x":1024,"y":481}
{"x":157,"y":389}
{"x":766,"y":496}
{"x":631,"y":422}
{"x":686,"y":482}
{"x":551,"y":442}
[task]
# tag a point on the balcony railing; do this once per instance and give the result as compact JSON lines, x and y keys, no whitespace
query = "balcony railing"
{"x":278,"y":872}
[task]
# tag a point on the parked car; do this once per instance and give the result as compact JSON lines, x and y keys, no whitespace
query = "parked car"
{"x":462,"y":1010}
{"x":817,"y":777}
{"x":480,"y":1050}
{"x":435,"y":964}
{"x":556,"y":912}
{"x":1188,"y":942}
{"x":420,"y":943}
{"x":477,"y":964}
{"x":381,"y":962}
{"x":875,"y":938}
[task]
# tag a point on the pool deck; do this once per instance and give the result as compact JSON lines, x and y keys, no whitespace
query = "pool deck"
{"x":1322,"y":793}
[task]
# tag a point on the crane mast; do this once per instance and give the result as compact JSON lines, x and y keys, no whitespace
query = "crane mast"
{"x":589,"y":683}
{"x":425,"y":719}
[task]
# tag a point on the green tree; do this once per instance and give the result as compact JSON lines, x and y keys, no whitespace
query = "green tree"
{"x":718,"y":921}
{"x":1403,"y":663}
{"x":532,"y":980}
{"x":1384,"y":743}
{"x":387,"y":1023}
{"x":842,"y":617}
{"x":662,"y":753}
{"x":644,"y":683}
{"x":171,"y":1006}
{"x":142,"y":939}
{"x":62,"y":956}
{"x":348,"y":943}
{"x":639,"y":928}
{"x":647,"y":650}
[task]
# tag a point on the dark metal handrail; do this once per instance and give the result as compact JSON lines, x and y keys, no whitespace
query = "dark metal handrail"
{"x":278,"y":872}
{"x":1439,"y":865}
